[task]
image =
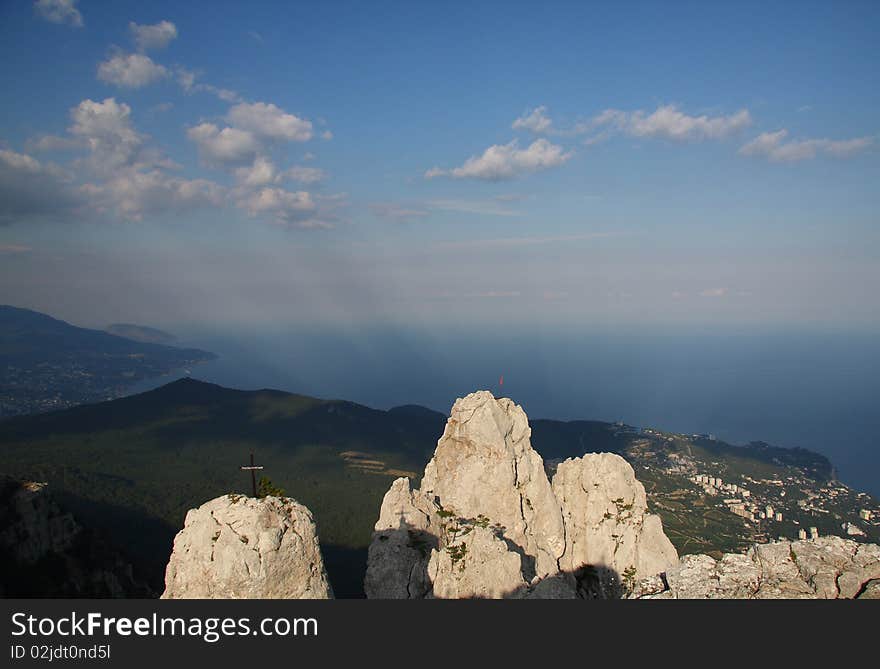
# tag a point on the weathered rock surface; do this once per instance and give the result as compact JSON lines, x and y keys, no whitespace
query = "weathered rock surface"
{"x":485,"y":464}
{"x":607,"y":524}
{"x":824,"y":568}
{"x":487,"y":522}
{"x":237,"y":547}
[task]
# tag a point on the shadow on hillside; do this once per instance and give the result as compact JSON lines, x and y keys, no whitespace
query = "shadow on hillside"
{"x":142,"y":539}
{"x":402,"y":556}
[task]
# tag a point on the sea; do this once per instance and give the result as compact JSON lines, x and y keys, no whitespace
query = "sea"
{"x":818,"y":390}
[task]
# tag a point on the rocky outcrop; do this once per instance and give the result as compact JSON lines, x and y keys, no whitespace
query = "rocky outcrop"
{"x":824,"y":568}
{"x":45,"y":552}
{"x":487,"y":522}
{"x":237,"y":547}
{"x":607,"y":524}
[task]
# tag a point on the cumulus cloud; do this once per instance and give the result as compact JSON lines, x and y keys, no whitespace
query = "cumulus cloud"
{"x":59,"y":11}
{"x":669,"y":122}
{"x":507,"y":161}
{"x":270,"y":122}
{"x":45,"y":143}
{"x":20,"y":162}
{"x":134,"y":193}
{"x":229,"y":146}
{"x":125,"y":176}
{"x":282,"y":206}
{"x":31,"y":190}
{"x":133,"y":70}
{"x":106,"y":129}
{"x":155,"y":36}
{"x":774,"y":147}
{"x":261,"y":173}
{"x":535,"y":120}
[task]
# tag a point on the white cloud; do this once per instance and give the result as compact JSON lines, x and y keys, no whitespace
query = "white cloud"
{"x":20,"y":161}
{"x":106,"y":129}
{"x":772,"y":145}
{"x":667,"y":121}
{"x":264,"y":173}
{"x":53,"y":143}
{"x":31,"y":190}
{"x":186,"y":79}
{"x":306,"y":175}
{"x":131,"y":179}
{"x":229,"y":146}
{"x":507,"y":161}
{"x":59,"y":11}
{"x":162,"y":107}
{"x":222,"y":93}
{"x":133,"y":70}
{"x":283,"y":206}
{"x":261,"y":173}
{"x":536,"y":120}
{"x":155,"y":36}
{"x":327,"y":135}
{"x":134,"y":193}
{"x":270,"y":122}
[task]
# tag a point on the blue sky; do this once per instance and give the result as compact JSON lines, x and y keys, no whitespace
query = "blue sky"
{"x":650,"y":164}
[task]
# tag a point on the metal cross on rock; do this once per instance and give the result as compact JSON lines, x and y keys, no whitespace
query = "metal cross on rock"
{"x":252,"y":469}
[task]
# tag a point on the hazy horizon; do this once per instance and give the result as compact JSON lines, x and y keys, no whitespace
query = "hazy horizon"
{"x":660,"y":212}
{"x":812,"y":391}
{"x":644,"y":165}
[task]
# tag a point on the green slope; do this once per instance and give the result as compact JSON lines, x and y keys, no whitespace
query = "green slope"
{"x":132,"y":467}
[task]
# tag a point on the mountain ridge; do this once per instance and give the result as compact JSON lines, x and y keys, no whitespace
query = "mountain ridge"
{"x":144,"y":460}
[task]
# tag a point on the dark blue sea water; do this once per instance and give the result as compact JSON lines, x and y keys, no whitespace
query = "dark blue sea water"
{"x":819,"y":391}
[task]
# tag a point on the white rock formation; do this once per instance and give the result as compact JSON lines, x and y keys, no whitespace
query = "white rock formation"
{"x":825,"y":568}
{"x":485,"y":464}
{"x":607,"y":525}
{"x":487,"y":522}
{"x":237,"y":547}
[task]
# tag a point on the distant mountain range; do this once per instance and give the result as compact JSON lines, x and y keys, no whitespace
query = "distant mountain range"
{"x":130,"y":468}
{"x":49,"y":364}
{"x":141,"y":333}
